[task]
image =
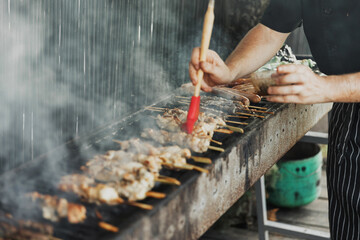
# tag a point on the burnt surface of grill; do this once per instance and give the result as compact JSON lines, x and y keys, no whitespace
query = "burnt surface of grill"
{"x":183,"y":209}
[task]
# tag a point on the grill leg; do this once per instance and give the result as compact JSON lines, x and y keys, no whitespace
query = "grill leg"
{"x":261,"y":209}
{"x":264,"y":225}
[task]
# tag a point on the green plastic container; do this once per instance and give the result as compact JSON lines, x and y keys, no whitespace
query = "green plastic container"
{"x":296,"y":180}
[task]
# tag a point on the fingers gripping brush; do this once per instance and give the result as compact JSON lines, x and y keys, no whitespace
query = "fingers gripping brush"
{"x":194,"y":107}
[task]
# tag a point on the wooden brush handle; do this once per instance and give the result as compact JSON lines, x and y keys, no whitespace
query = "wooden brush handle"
{"x":205,"y":42}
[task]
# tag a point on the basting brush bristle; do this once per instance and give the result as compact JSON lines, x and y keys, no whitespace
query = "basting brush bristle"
{"x":193,"y":114}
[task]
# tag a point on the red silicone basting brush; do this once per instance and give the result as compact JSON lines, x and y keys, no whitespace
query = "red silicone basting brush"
{"x":194,"y":107}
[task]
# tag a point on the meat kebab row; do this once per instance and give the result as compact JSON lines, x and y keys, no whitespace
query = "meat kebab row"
{"x":128,"y":175}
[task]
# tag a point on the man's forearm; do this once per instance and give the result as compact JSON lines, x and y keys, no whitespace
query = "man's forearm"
{"x":258,"y":46}
{"x":344,"y":88}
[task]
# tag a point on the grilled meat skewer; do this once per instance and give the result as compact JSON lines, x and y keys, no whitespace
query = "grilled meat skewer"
{"x":196,"y":142}
{"x":124,"y":174}
{"x":232,"y":94}
{"x":11,"y":228}
{"x":54,"y":208}
{"x":133,"y":175}
{"x":155,"y":157}
{"x":171,"y":132}
{"x":88,"y":190}
{"x":132,"y":181}
{"x":10,"y":232}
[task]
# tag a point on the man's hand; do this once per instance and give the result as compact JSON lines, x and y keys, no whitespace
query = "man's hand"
{"x":215,"y":70}
{"x":299,"y":84}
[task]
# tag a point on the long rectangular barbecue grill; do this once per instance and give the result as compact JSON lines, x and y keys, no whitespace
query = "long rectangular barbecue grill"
{"x":188,"y":210}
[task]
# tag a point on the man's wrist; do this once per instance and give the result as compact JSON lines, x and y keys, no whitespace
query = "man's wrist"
{"x":334,"y":92}
{"x":328,"y":94}
{"x":233,"y":73}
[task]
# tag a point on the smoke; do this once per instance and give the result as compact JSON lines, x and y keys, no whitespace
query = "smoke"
{"x":69,"y":68}
{"x":20,"y":50}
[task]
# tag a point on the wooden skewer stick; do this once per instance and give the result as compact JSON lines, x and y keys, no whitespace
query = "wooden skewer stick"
{"x":157,"y":195}
{"x":216,"y":149}
{"x":183,"y":97}
{"x":117,"y":201}
{"x":197,"y":168}
{"x":217,"y":142}
{"x":108,"y":227}
{"x":262,"y":108}
{"x":241,"y":123}
{"x":221,"y":130}
{"x":235,"y":129}
{"x":140,"y":205}
{"x":202,"y":160}
{"x":183,"y":102}
{"x":183,"y":166}
{"x":154,"y":110}
{"x":259,"y":111}
{"x":162,"y":108}
{"x":169,"y":180}
{"x":234,"y":116}
{"x":187,"y":167}
{"x":240,"y":103}
{"x":169,"y":165}
{"x":250,"y":114}
{"x":98,"y":214}
{"x":117,"y":141}
{"x":160,"y":180}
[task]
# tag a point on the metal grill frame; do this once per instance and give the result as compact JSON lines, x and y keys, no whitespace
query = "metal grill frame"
{"x":189,"y":210}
